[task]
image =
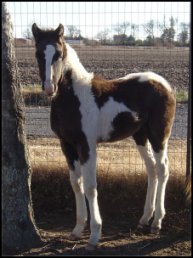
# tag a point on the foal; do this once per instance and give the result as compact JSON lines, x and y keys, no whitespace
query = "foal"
{"x":87,"y":109}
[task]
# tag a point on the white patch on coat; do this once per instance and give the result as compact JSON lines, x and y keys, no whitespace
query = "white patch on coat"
{"x":162,"y":165}
{"x":82,"y":89}
{"x":81,"y":210}
{"x":73,"y":63}
{"x":88,"y":170}
{"x":49,"y":53}
{"x":148,"y":156}
{"x":146,"y":76}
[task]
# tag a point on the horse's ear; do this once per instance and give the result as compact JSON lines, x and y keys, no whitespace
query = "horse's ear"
{"x":36,"y":31}
{"x":60,"y":30}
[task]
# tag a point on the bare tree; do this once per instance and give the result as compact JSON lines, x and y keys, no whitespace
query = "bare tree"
{"x":134,"y":29}
{"x":103,"y":36}
{"x":168,"y":31}
{"x":184,"y":34}
{"x":149,"y":28}
{"x":28,"y":34}
{"x":18,"y":227}
{"x":121,"y":28}
{"x":73,"y":32}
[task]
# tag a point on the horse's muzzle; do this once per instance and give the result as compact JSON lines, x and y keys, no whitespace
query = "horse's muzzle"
{"x":49,"y":88}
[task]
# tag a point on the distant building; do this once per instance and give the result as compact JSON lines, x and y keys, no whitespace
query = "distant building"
{"x":74,"y":41}
{"x":23,"y":42}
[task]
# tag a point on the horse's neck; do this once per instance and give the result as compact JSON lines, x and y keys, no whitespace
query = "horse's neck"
{"x":73,"y":64}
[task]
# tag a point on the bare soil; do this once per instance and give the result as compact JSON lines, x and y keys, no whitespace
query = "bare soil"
{"x":119,"y":236}
{"x":114,"y":62}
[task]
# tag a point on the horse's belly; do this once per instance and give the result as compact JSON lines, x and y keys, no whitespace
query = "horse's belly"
{"x":125,"y":124}
{"x":117,"y":121}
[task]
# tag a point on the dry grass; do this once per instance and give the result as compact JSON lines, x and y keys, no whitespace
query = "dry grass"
{"x":121,"y":176}
{"x":112,"y":158}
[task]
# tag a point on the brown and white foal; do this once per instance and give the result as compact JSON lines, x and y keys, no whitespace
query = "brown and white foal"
{"x":87,"y":109}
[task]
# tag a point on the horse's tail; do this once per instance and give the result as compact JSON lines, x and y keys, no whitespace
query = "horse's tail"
{"x":188,"y":189}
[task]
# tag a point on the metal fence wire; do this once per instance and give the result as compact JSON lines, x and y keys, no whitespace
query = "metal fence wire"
{"x":112,"y":39}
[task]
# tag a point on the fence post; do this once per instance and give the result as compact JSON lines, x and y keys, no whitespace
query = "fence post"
{"x":189,"y":126}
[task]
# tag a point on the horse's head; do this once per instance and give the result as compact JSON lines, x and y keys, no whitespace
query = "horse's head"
{"x":50,"y":54}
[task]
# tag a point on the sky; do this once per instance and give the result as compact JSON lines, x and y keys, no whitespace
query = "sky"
{"x":94,"y":17}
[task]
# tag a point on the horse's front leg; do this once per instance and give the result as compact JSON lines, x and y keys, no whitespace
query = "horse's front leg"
{"x":81,"y":210}
{"x":88,"y":170}
{"x":77,"y":186}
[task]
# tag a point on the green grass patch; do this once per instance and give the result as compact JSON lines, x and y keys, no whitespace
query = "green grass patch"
{"x":32,"y":88}
{"x":182,"y":96}
{"x":34,"y":96}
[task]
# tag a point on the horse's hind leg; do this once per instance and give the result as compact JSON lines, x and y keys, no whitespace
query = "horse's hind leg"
{"x":77,"y":186}
{"x":162,"y":167}
{"x":146,"y":153}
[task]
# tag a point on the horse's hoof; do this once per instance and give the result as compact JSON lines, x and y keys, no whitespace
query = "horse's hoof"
{"x":73,"y":237}
{"x":90,"y":247}
{"x":155,"y":230}
{"x":140,"y":226}
{"x":144,"y":229}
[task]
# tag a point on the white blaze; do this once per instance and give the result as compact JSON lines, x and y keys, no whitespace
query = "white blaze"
{"x":49,"y":53}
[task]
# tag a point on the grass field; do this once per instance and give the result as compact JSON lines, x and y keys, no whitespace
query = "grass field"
{"x":112,"y":158}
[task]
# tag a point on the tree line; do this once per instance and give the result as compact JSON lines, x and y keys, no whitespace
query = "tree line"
{"x":172,"y":33}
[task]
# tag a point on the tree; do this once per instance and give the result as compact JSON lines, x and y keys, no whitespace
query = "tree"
{"x":103,"y":36}
{"x":120,"y":39}
{"x":18,"y":229}
{"x":168,"y":32}
{"x":28,"y":33}
{"x":73,"y":32}
{"x":149,"y":41}
{"x":121,"y":28}
{"x":134,"y":28}
{"x":183,"y":35}
{"x":131,"y":41}
{"x":149,"y":28}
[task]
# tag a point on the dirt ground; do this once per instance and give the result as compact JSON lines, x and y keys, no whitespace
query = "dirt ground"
{"x":115,"y":61}
{"x":118,"y":237}
{"x":119,"y":234}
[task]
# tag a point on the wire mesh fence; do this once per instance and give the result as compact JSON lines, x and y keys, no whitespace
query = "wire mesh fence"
{"x":112,"y":39}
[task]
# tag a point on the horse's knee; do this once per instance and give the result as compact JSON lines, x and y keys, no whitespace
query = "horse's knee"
{"x":90,"y":191}
{"x":162,"y":171}
{"x":76,"y":183}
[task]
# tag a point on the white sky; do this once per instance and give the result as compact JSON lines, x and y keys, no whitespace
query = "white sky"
{"x":93,"y":17}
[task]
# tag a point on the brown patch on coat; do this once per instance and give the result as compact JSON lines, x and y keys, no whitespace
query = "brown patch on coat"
{"x":65,"y":116}
{"x":125,"y":124}
{"x":65,"y":120}
{"x":154,"y":104}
